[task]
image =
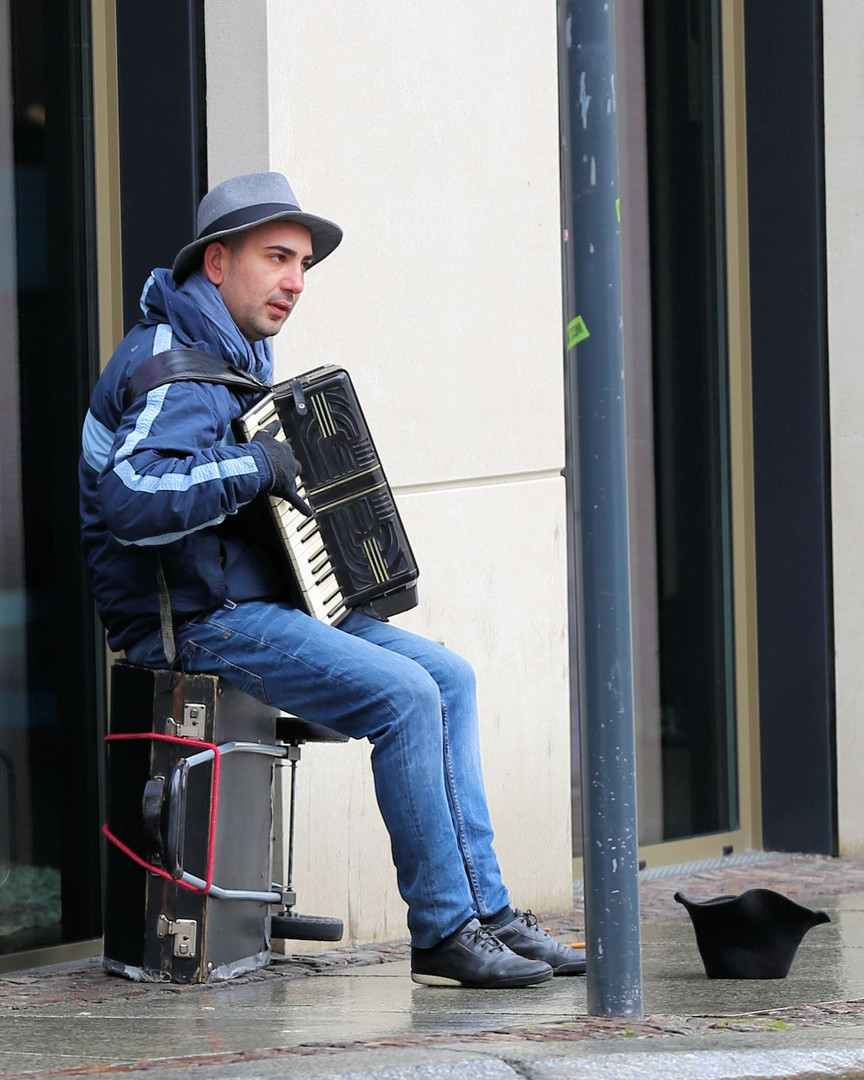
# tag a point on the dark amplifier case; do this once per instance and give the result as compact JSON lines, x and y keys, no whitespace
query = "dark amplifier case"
{"x":188,"y":866}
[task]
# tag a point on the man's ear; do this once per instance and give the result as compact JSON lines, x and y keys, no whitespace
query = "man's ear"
{"x":214,"y":263}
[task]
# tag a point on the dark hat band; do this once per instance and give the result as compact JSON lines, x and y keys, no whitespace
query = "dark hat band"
{"x":248,"y":215}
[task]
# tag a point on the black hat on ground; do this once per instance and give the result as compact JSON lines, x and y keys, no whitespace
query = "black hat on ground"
{"x":751,"y":936}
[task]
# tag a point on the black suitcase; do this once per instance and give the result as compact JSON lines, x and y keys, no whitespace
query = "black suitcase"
{"x":188,"y":887}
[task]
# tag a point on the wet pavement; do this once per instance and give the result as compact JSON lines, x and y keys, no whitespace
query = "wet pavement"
{"x":354,"y":1012}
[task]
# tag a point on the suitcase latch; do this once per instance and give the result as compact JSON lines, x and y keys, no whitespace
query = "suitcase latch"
{"x":184,"y":932}
{"x":192,"y":725}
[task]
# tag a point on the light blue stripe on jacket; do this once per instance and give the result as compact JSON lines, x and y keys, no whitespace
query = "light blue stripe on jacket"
{"x":96,"y":442}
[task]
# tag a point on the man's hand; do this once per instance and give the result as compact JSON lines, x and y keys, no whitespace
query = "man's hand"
{"x":285,"y":470}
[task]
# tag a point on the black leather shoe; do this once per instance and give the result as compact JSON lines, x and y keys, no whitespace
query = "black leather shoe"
{"x":523,"y":936}
{"x":474,"y":957}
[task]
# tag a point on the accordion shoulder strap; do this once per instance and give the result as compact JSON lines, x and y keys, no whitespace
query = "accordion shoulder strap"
{"x":172,"y":366}
{"x":176,"y":364}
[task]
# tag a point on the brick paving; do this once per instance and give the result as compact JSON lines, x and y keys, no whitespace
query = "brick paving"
{"x":801,"y":877}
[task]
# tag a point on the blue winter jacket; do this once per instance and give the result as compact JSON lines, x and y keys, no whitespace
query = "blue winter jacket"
{"x":166,"y":474}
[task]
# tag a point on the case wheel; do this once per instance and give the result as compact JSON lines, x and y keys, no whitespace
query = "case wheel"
{"x":306,"y":928}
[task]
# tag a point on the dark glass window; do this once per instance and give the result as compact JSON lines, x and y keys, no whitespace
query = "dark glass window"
{"x":691,"y":439}
{"x":688,"y":777}
{"x":50,"y":653}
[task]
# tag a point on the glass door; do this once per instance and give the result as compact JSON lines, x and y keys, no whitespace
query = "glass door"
{"x":683,"y":208}
{"x":49,"y":645}
{"x":684,"y":110}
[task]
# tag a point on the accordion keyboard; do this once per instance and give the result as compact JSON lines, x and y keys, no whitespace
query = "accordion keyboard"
{"x":316,"y":589}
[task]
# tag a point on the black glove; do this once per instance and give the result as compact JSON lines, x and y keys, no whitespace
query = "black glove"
{"x":285,"y":470}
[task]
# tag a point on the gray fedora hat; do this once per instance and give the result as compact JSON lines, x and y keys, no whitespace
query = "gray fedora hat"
{"x":243,"y":202}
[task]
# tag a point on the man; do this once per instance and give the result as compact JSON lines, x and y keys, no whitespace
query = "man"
{"x":162,"y":482}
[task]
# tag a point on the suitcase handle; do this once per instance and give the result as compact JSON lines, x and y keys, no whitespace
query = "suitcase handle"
{"x":163,"y":810}
{"x":151,"y":814}
{"x":175,"y":818}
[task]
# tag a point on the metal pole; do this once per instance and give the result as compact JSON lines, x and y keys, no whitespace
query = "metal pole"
{"x":597,"y":478}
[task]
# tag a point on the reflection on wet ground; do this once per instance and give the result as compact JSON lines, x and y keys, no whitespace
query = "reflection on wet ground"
{"x":380,"y":1002}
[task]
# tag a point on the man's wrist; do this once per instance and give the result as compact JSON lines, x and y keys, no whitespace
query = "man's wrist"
{"x":266,"y":472}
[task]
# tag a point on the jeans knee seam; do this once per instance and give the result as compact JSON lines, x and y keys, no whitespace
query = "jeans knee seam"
{"x":470,"y":869}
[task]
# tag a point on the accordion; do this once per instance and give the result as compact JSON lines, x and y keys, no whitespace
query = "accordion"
{"x":353,"y":551}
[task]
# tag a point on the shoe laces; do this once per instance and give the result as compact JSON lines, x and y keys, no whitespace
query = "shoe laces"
{"x":530,"y":923}
{"x":484,"y":938}
{"x":527,"y":918}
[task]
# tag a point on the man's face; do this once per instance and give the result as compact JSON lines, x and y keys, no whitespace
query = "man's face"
{"x":260,"y":275}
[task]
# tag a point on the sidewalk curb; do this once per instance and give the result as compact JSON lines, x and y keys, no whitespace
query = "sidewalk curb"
{"x":511,"y":1063}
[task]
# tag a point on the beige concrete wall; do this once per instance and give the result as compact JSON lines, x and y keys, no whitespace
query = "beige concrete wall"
{"x":844,"y":169}
{"x":431,"y":136}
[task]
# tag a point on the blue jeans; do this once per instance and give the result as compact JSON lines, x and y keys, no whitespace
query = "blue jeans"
{"x":413,"y":699}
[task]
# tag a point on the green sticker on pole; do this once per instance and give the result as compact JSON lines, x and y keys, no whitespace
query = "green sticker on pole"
{"x":576,"y":331}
